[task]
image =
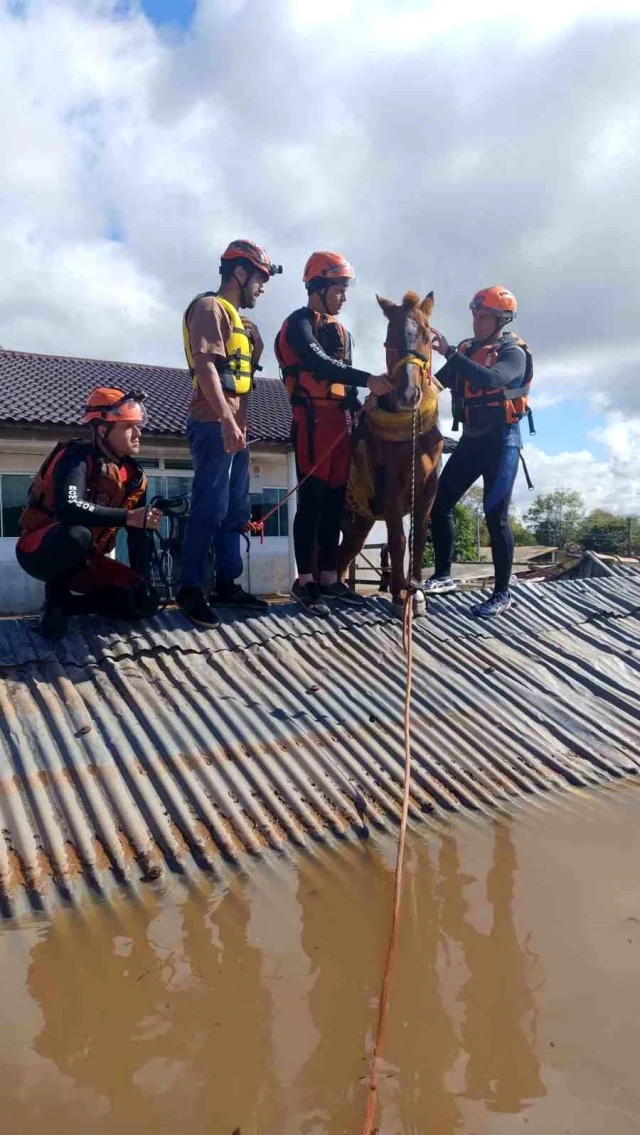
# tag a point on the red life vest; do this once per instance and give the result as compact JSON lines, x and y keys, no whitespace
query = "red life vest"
{"x":109,"y":484}
{"x":482,"y":408}
{"x":302,"y":386}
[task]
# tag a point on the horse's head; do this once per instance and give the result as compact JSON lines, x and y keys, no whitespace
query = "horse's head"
{"x":408,"y":348}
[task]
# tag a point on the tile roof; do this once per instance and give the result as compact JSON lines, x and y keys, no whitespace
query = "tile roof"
{"x":49,"y":389}
{"x":130,"y":752}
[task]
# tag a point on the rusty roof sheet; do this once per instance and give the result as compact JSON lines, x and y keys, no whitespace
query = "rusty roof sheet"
{"x":125,"y":754}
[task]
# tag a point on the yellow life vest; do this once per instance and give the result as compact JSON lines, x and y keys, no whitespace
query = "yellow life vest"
{"x":236,"y":373}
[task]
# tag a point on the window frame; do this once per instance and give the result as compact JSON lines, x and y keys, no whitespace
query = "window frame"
{"x":13,"y":473}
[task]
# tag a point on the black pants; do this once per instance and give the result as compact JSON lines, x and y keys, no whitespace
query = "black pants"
{"x":63,"y":561}
{"x":487,"y":457}
{"x":317,"y":522}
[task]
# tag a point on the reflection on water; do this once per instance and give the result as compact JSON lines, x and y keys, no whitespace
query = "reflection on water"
{"x":252,"y":1010}
{"x":498,"y":1031}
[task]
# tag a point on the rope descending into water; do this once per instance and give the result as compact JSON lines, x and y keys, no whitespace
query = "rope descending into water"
{"x":407,"y":643}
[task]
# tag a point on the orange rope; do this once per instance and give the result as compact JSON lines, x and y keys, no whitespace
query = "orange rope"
{"x":257,"y":526}
{"x":407,"y":642}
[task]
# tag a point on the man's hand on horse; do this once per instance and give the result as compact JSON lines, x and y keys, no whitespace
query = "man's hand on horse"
{"x":379,"y":384}
{"x":438,"y":341}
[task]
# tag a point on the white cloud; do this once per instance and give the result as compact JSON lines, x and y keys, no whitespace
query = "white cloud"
{"x":611,"y":482}
{"x":437,"y":145}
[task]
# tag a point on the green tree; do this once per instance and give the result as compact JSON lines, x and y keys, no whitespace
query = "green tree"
{"x":522,"y":536}
{"x":556,"y":518}
{"x":465,"y":545}
{"x":473,"y":500}
{"x":604,"y":531}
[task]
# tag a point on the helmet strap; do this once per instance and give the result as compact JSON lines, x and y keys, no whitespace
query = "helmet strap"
{"x":101,"y":439}
{"x":321,"y":293}
{"x":500,"y":323}
{"x":243,"y":294}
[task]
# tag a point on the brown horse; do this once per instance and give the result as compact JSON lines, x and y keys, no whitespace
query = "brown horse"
{"x":381,"y":464}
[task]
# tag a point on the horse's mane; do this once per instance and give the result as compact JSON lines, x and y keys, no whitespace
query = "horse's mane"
{"x":409,"y":300}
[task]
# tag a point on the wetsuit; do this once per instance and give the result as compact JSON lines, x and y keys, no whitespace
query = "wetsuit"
{"x":66,"y":546}
{"x":491,"y":453}
{"x":314,"y":352}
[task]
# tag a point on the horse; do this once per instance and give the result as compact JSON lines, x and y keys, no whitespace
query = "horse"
{"x":380,"y":477}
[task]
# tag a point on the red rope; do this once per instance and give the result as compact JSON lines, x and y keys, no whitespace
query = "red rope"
{"x":257,"y":526}
{"x":407,"y":645}
{"x":374,"y":1069}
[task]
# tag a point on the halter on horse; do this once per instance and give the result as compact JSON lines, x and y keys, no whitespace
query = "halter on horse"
{"x":384,"y":465}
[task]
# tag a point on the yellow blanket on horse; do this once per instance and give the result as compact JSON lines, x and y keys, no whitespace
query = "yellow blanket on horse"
{"x":365,"y":488}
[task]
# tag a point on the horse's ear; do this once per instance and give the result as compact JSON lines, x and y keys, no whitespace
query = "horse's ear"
{"x":388,"y":306}
{"x":428,"y":304}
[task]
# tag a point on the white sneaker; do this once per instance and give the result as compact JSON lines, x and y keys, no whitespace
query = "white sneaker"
{"x":439,"y":585}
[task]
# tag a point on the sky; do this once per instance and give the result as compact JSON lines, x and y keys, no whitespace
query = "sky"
{"x":438,"y":144}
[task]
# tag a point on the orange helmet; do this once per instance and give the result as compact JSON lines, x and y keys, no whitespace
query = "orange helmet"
{"x":496,"y":301}
{"x":107,"y":404}
{"x":326,"y":268}
{"x":256,"y":256}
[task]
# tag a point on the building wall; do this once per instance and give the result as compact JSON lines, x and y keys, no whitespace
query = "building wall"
{"x":268,"y":567}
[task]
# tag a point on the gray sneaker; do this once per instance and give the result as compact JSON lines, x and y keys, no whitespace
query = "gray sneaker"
{"x":439,"y":585}
{"x":308,"y":596}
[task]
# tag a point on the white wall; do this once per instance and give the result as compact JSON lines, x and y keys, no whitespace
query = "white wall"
{"x":19,"y":594}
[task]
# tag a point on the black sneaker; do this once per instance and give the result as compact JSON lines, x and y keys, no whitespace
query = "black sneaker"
{"x":195,"y":606}
{"x":54,"y":622}
{"x":233,"y":595}
{"x":342,"y":594}
{"x":308,"y":596}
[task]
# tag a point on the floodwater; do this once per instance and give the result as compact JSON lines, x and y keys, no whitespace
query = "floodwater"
{"x":250,"y":1009}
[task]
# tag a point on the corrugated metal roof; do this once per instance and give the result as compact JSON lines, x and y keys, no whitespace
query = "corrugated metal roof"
{"x":593,"y":565}
{"x":131,"y":753}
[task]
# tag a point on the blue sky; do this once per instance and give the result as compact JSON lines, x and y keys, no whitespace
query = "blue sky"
{"x":177,"y":12}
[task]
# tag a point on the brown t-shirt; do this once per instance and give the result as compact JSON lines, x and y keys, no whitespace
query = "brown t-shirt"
{"x":209,"y":329}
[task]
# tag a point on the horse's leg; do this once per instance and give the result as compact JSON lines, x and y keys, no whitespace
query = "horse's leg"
{"x":394,"y":459}
{"x":427,"y":474}
{"x":355,"y":530}
{"x":397,"y":548}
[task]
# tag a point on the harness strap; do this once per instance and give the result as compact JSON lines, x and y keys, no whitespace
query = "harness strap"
{"x":526,"y":471}
{"x":497,"y":394}
{"x":411,"y":357}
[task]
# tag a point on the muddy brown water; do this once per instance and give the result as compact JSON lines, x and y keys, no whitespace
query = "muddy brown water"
{"x":250,"y":1009}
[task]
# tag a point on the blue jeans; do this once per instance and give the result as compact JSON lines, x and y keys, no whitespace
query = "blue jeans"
{"x":220,"y":508}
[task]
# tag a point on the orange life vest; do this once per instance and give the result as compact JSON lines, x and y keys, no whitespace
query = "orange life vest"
{"x":109,"y":484}
{"x":482,"y":408}
{"x":302,"y":386}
